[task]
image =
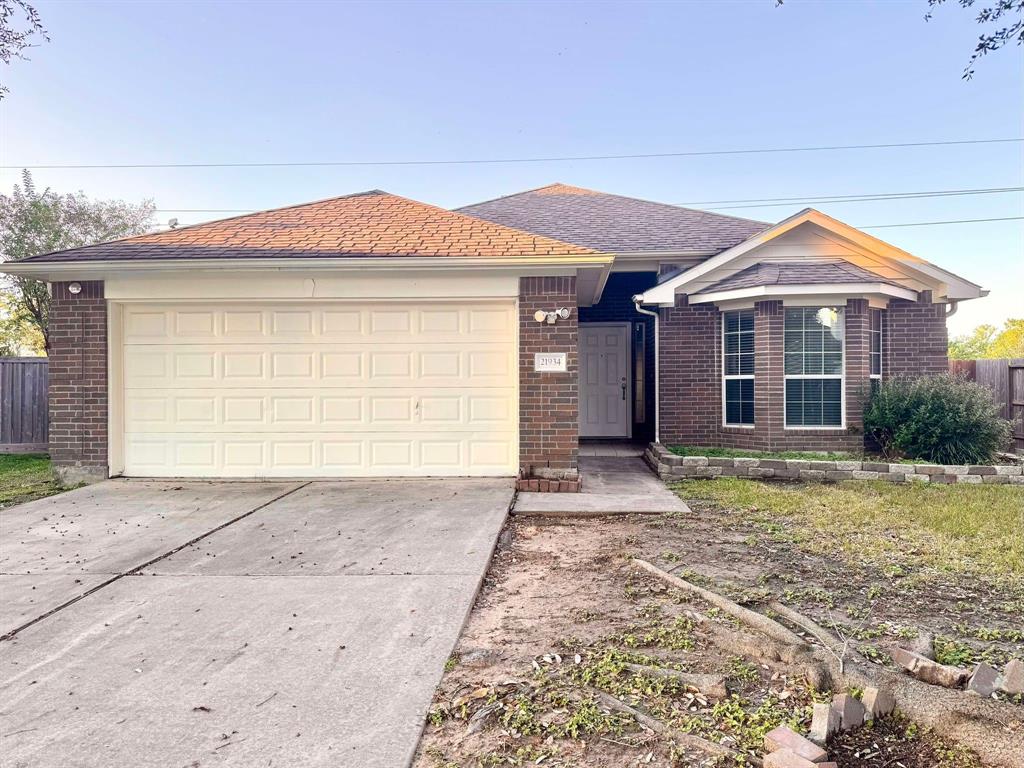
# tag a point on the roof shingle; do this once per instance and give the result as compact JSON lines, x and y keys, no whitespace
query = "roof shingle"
{"x":366,"y":224}
{"x":613,"y":223}
{"x":796,"y":273}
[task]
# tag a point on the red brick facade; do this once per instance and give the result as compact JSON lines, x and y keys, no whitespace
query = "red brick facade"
{"x":548,"y":406}
{"x":914,"y":342}
{"x":78,"y":382}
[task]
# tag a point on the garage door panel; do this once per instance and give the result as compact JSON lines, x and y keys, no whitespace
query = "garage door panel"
{"x":320,"y":390}
{"x":384,"y":324}
{"x":297,"y":365}
{"x":301,"y":454}
{"x":384,"y":410}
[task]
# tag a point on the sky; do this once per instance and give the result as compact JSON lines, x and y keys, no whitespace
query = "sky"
{"x":217,"y":82}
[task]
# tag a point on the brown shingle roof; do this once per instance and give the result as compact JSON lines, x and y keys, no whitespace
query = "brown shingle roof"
{"x":796,"y":273}
{"x":366,"y":224}
{"x":614,"y":223}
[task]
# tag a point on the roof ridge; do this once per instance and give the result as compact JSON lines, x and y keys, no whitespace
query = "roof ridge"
{"x":621,"y":197}
{"x":513,"y":194}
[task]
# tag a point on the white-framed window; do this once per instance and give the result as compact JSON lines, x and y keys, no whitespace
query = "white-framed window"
{"x":738,"y":368}
{"x":814,"y":367}
{"x":875,"y":350}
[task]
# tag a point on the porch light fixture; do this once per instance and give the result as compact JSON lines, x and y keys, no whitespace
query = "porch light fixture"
{"x":550,"y":317}
{"x":74,"y":288}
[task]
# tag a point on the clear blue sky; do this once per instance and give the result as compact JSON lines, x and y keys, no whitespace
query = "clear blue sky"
{"x":222,"y":82}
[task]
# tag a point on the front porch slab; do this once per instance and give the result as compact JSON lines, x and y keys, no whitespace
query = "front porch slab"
{"x":611,"y":486}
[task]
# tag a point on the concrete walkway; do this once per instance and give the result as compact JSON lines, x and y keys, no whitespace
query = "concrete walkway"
{"x":305,"y":623}
{"x":611,"y":485}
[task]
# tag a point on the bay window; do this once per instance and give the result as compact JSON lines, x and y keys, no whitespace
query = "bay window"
{"x":738,"y":367}
{"x":813,"y":366}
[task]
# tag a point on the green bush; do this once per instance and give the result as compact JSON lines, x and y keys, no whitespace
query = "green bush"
{"x":942,"y":419}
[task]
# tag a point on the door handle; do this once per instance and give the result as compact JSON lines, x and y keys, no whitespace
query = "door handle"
{"x":623,"y":389}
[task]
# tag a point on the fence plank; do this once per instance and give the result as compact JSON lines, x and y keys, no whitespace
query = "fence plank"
{"x":1005,"y":380}
{"x":23,"y":404}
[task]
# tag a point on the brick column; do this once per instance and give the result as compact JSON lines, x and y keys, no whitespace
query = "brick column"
{"x":915,"y":339}
{"x":769,"y":384}
{"x":691,"y":399}
{"x":548,"y":402}
{"x":857,"y":360}
{"x":78,"y":383}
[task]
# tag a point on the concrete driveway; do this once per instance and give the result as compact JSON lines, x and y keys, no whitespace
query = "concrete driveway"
{"x":217,"y":623}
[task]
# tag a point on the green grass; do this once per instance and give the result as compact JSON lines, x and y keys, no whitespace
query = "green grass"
{"x":962,"y":529}
{"x":24,"y":477}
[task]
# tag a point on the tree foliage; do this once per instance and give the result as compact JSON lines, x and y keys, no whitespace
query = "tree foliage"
{"x":1007,"y":15}
{"x":989,"y":342}
{"x":34,"y":222}
{"x":19,"y":335}
{"x":19,"y":26}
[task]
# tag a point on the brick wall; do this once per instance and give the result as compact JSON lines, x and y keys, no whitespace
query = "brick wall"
{"x":914,"y":340}
{"x":78,"y":382}
{"x":548,"y":406}
{"x":691,"y":384}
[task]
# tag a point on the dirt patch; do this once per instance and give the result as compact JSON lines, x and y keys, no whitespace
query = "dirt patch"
{"x":564,"y":613}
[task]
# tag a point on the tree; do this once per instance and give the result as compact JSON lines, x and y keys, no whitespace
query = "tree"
{"x":1009,"y":342}
{"x":989,"y":342}
{"x":33,"y":222}
{"x":1008,"y":12}
{"x":973,"y":345}
{"x":15,"y":39}
{"x":19,"y":336}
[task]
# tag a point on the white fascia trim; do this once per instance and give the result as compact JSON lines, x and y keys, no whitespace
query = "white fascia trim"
{"x":84,"y":269}
{"x":833,"y":289}
{"x":664,"y":294}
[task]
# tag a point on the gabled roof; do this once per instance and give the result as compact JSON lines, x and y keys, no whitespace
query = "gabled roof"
{"x":797,"y":273}
{"x":613,"y":223}
{"x":367,"y":224}
{"x":898,"y":263}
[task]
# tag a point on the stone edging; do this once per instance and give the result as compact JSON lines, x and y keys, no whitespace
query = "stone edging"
{"x":669,"y":467}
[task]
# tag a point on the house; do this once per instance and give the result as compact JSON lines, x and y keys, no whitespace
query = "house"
{"x":372,"y":335}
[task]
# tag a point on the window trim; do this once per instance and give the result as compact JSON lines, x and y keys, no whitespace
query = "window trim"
{"x":881,"y":341}
{"x":735,"y":376}
{"x":818,"y":377}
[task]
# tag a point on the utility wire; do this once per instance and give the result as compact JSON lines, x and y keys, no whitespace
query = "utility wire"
{"x":872,"y":198}
{"x":489,"y":161}
{"x":935,"y":223}
{"x":764,"y":202}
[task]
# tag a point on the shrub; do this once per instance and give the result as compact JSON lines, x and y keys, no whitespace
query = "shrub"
{"x":942,"y":419}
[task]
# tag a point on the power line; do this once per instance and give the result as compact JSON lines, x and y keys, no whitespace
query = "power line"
{"x":768,"y":202}
{"x":935,"y":223}
{"x":489,"y":161}
{"x":872,"y":198}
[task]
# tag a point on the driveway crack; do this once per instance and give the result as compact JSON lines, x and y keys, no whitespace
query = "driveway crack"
{"x":137,"y":569}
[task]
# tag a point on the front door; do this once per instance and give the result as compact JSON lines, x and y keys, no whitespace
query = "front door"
{"x":604,"y":380}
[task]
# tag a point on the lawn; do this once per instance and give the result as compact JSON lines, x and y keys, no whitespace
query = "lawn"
{"x":565,"y":617}
{"x":24,"y":477}
{"x":961,"y":529}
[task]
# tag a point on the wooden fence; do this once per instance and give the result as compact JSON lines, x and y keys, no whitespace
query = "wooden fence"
{"x":23,"y":406}
{"x":1006,"y":380}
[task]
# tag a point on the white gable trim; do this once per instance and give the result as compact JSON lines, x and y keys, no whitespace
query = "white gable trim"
{"x":946,"y":284}
{"x":818,"y":290}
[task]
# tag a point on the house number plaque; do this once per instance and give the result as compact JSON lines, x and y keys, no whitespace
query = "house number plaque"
{"x":549,"y":362}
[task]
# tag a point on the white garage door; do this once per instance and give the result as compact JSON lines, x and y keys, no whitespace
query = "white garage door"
{"x":320,"y":390}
